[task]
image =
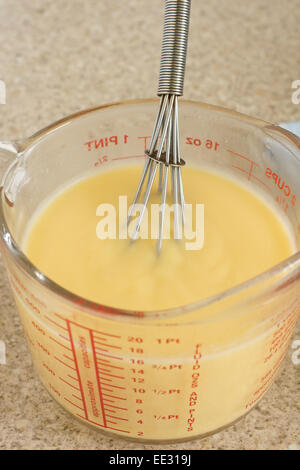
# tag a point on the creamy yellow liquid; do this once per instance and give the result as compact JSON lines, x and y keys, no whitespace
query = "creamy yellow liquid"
{"x":162,"y":379}
{"x":243,"y":237}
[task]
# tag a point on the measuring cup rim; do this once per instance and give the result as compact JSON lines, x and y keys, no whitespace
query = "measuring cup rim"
{"x":290,"y":264}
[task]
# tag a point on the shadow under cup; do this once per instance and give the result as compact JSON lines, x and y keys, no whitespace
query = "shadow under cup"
{"x":166,"y":375}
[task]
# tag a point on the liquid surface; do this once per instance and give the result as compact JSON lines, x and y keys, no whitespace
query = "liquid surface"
{"x":242,"y":237}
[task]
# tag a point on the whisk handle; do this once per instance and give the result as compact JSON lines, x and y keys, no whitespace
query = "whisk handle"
{"x":174,"y":47}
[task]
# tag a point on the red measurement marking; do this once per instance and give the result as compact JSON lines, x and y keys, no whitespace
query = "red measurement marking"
{"x":111,"y":411}
{"x":105,"y":334}
{"x":66,"y":339}
{"x":243,"y":156}
{"x":75,"y":396}
{"x":86,"y":328}
{"x":117,"y":417}
{"x":145,"y":137}
{"x":105,"y":370}
{"x":262,"y":182}
{"x":250,"y":175}
{"x":107,"y":379}
{"x":106,"y":399}
{"x":248,"y":172}
{"x":60,"y":344}
{"x":68,"y":383}
{"x":55,"y":323}
{"x":108,"y":345}
{"x":119,"y":407}
{"x":131,"y":156}
{"x":101,"y":426}
{"x":105,"y":360}
{"x":67,"y":365}
{"x":113,"y":357}
{"x":101,"y":349}
{"x":116,"y":376}
{"x":113,"y":396}
{"x":112,"y":422}
{"x":115,"y":386}
{"x":74,"y":404}
{"x":98,"y":378}
{"x":121,"y":430}
{"x":101,"y":160}
{"x":241,"y":169}
{"x":74,"y":378}
{"x":77,"y":369}
{"x":67,"y":357}
{"x":59,"y":316}
{"x":110,"y":365}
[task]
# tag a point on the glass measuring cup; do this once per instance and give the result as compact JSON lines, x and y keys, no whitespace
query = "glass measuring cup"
{"x":154,"y":376}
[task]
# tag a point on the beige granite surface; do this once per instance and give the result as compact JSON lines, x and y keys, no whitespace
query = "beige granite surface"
{"x":60,"y":56}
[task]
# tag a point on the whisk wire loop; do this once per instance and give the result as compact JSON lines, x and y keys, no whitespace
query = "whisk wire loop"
{"x":164,"y":148}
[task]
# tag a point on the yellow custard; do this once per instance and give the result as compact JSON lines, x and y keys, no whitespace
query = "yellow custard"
{"x":243,"y":237}
{"x":158,"y":378}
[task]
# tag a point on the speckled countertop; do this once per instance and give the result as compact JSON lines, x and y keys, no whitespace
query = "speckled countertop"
{"x":60,"y":56}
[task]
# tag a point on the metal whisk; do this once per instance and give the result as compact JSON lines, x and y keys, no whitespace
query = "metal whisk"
{"x":164,"y":149}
